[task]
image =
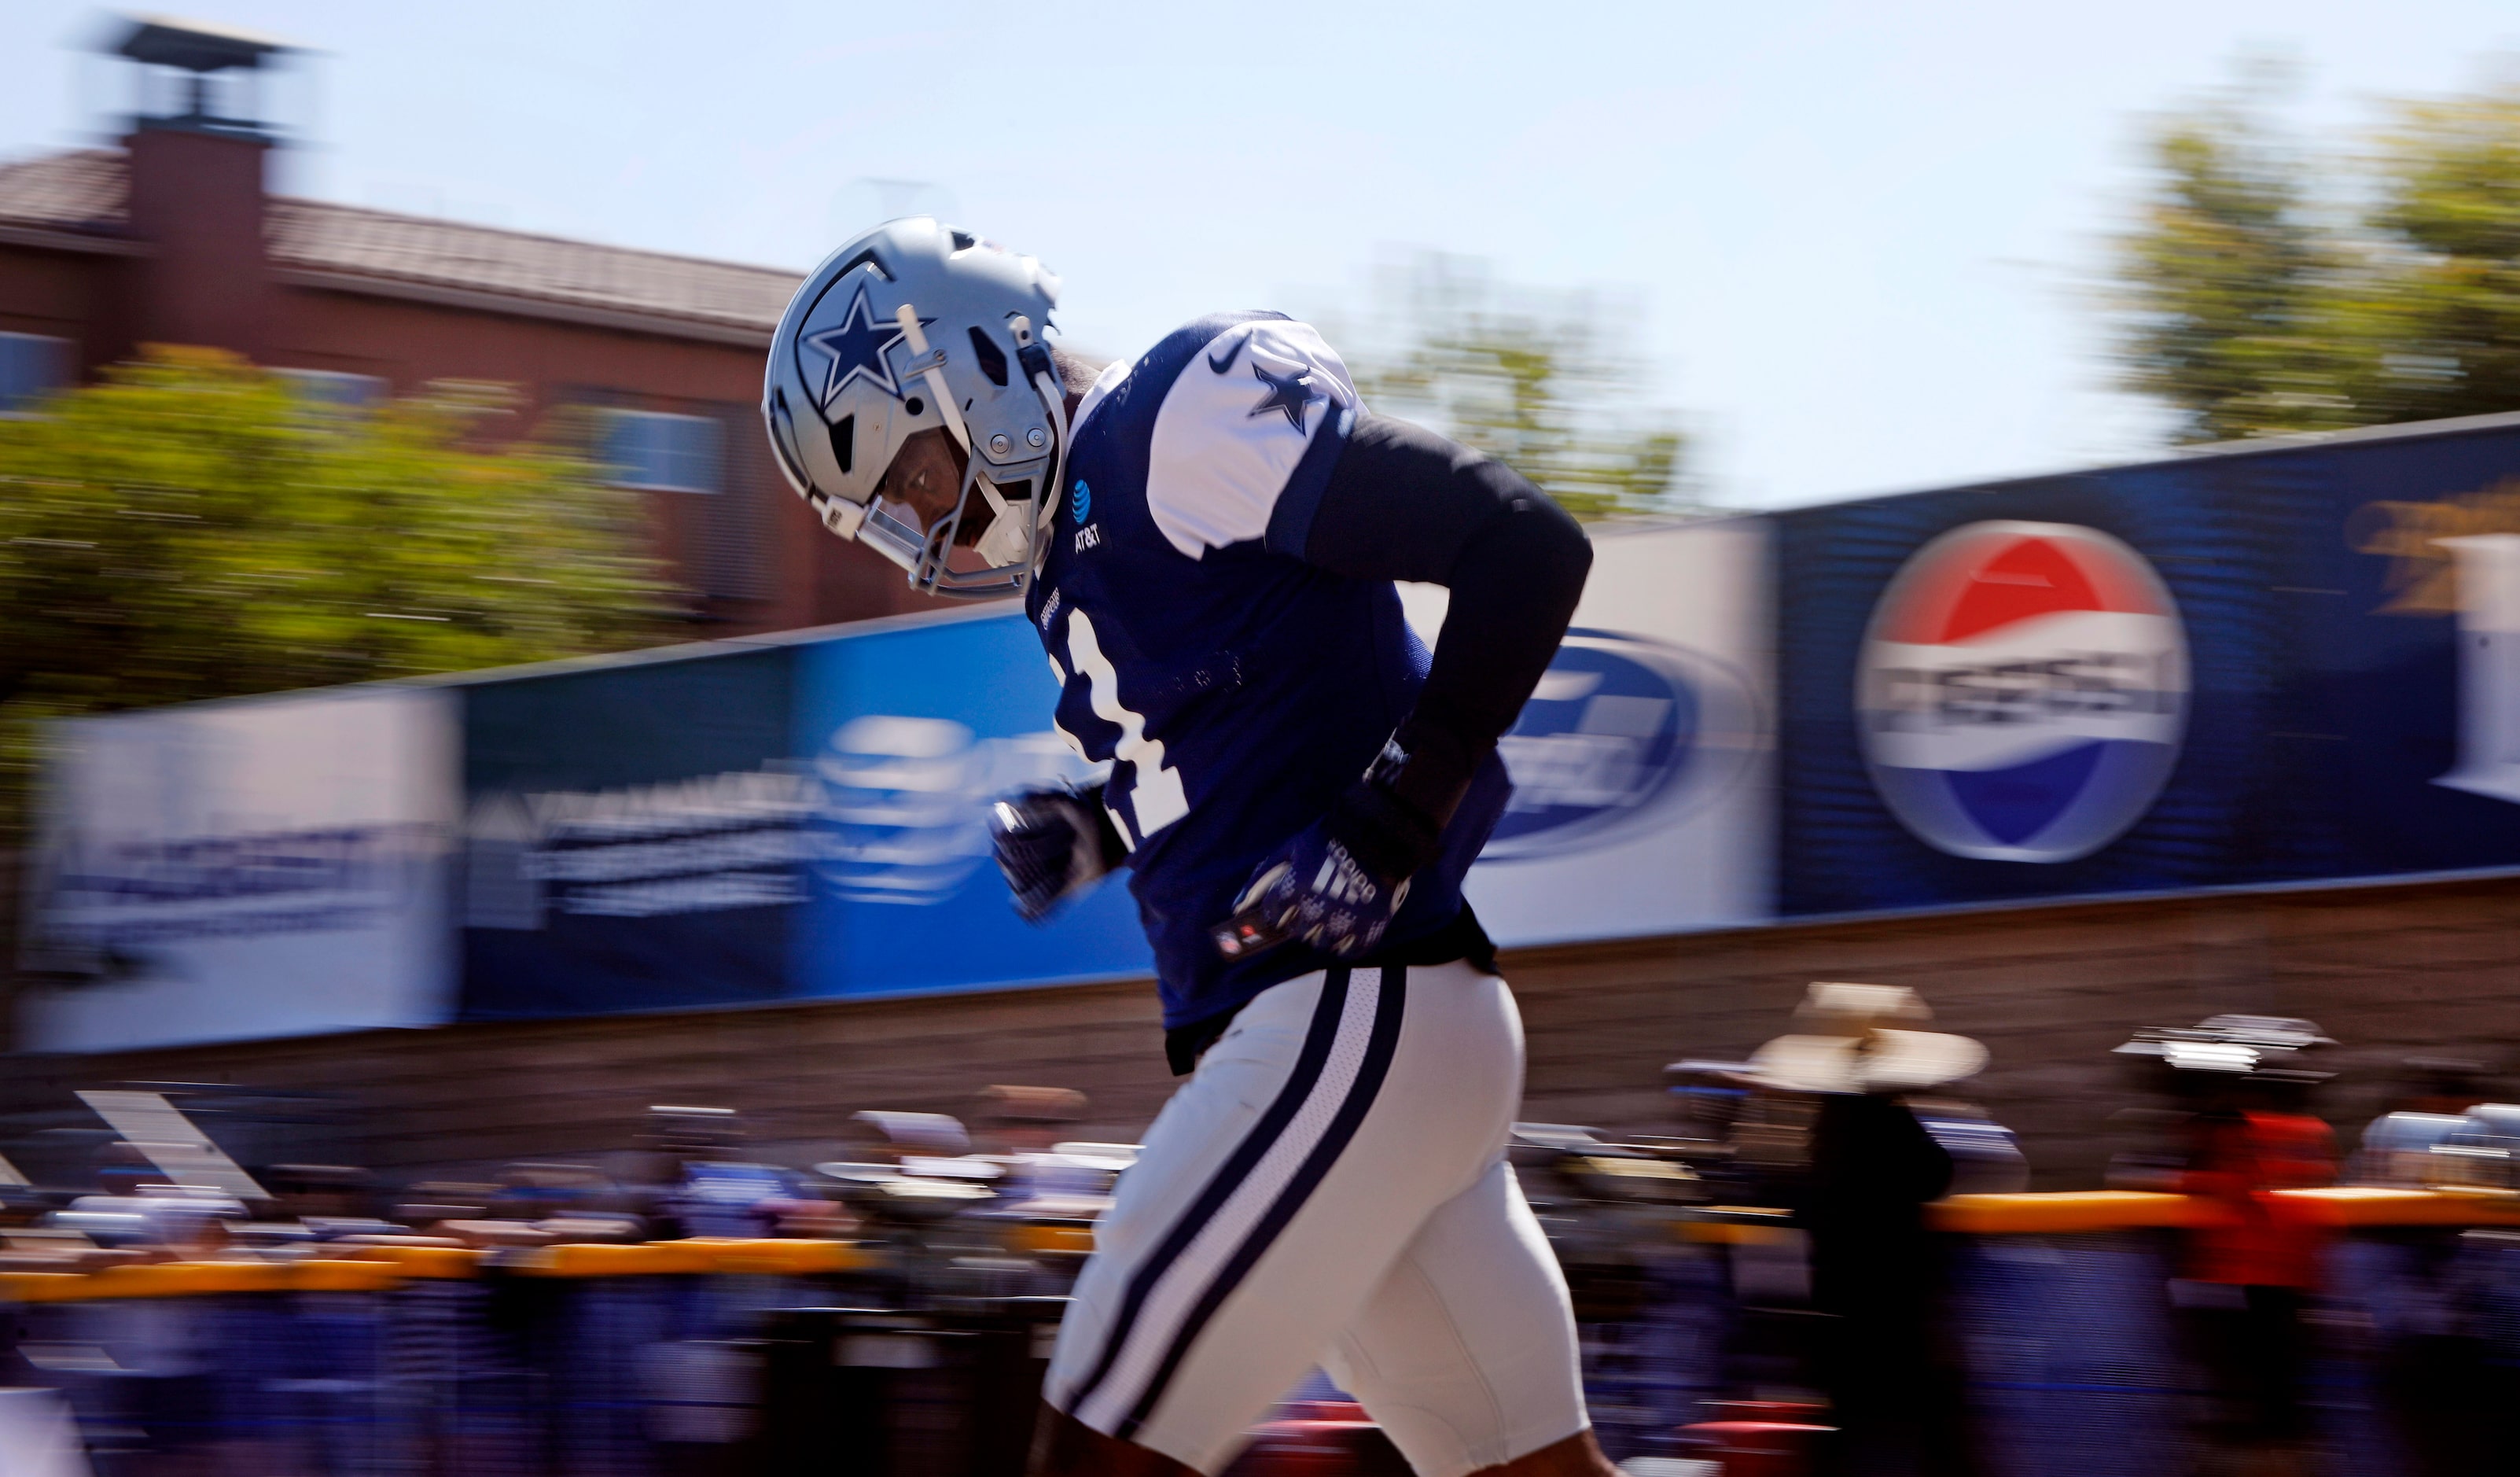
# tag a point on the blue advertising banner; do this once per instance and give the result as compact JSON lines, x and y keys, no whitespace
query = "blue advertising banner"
{"x":634,"y":836}
{"x":2240,"y":667}
{"x":2290,"y":664}
{"x":2395,"y":728}
{"x":755,"y":822}
{"x":909,"y":733}
{"x":807,"y":818}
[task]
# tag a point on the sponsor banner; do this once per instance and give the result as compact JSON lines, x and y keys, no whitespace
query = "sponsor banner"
{"x":907,"y":734}
{"x":635,"y":836}
{"x":2390,"y":745}
{"x":2275,"y":666}
{"x":2053,"y":687}
{"x":808,"y":819}
{"x":2297,"y":664}
{"x":750,"y":823}
{"x":1641,"y":765}
{"x":2021,"y":691}
{"x":234,"y":870}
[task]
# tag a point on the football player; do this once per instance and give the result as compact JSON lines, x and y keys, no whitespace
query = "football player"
{"x":1207,"y":539}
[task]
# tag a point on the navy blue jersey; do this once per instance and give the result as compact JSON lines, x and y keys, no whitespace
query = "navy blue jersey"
{"x":1234,"y":688}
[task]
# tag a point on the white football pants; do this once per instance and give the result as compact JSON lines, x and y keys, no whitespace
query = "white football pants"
{"x":1331,"y":1187}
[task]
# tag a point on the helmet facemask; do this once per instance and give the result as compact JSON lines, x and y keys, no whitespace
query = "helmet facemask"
{"x":895,"y":528}
{"x":1013,"y":488}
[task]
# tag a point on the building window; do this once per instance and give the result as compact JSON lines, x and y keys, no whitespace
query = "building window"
{"x":663,"y":453}
{"x":335,"y":388}
{"x":653,"y":452}
{"x":31,"y":366}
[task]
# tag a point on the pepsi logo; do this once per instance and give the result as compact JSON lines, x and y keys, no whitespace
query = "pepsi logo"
{"x":1621,"y":733}
{"x":2022,"y":691}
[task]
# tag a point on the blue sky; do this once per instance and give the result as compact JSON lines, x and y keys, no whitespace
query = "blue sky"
{"x":1858,"y":240}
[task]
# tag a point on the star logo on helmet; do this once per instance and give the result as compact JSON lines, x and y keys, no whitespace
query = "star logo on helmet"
{"x":1291,"y":393}
{"x":855,"y":348}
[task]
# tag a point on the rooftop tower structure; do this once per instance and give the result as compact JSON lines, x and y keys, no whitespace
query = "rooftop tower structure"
{"x":196,"y":182}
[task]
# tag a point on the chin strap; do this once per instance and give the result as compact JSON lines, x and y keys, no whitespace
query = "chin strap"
{"x":1034,"y":356}
{"x":930,"y":363}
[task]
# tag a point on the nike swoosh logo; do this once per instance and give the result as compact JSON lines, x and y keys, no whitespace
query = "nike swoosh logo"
{"x":1230,"y":352}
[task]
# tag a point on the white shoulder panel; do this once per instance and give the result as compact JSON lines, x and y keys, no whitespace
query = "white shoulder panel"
{"x":1103,"y":383}
{"x":1236,"y":420}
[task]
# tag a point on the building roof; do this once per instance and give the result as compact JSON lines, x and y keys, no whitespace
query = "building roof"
{"x":78,"y":191}
{"x":348,"y":248}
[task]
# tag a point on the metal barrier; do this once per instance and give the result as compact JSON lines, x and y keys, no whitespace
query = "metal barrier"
{"x":718,"y":1356}
{"x":595,"y":1361}
{"x":2082,"y":1356}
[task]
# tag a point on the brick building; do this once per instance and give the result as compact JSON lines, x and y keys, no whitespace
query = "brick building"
{"x":175,"y":238}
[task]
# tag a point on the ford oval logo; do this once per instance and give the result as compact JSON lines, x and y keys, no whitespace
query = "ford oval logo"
{"x":1621,"y":733}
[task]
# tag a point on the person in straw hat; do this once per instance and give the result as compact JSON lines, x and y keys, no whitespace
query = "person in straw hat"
{"x":1865,"y":1038}
{"x":1873,"y":1166}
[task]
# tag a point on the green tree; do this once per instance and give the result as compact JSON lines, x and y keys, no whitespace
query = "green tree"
{"x":1538,"y":381}
{"x":195,"y":527}
{"x":2436,"y":298}
{"x":2267,"y":288}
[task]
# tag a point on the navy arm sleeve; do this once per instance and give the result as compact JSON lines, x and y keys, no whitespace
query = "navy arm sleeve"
{"x":1404,"y":504}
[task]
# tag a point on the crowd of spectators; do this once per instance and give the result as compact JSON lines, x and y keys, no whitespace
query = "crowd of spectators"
{"x":1823,"y":1150}
{"x":689,"y":1176}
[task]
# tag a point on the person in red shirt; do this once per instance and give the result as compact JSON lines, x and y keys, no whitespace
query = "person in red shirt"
{"x":2249,"y":1266}
{"x":2247,"y":1148}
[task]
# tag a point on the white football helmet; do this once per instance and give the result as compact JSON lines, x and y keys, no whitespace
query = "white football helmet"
{"x":913,"y":326}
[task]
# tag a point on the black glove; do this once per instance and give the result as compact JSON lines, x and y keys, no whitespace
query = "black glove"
{"x":1339,"y":884}
{"x":1053,"y":842}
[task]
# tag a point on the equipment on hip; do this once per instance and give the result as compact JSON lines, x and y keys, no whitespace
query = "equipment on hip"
{"x":1339,"y":884}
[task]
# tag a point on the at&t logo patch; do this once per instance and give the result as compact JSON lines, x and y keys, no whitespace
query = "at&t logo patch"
{"x":2022,"y":691}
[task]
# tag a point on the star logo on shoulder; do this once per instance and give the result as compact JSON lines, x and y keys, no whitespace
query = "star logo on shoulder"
{"x":855,"y":348}
{"x":1291,"y":393}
